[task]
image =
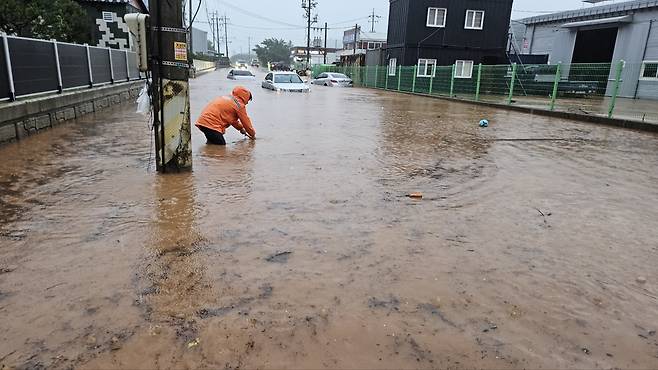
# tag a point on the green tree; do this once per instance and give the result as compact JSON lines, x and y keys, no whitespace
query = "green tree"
{"x":273,"y":50}
{"x":63,"y":20}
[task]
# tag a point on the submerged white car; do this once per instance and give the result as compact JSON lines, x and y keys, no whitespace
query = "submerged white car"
{"x":285,"y":81}
{"x":333,"y":79}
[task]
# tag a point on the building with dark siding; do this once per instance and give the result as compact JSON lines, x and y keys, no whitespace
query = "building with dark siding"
{"x":428,"y":33}
{"x":106,"y":25}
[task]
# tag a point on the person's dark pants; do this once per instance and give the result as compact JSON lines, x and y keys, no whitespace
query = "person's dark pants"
{"x":213,"y":137}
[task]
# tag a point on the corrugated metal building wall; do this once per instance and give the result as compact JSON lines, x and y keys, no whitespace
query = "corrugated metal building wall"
{"x":636,"y":41}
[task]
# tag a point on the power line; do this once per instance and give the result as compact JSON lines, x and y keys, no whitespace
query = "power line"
{"x":255,"y":15}
{"x":349,"y":21}
{"x":268,"y":28}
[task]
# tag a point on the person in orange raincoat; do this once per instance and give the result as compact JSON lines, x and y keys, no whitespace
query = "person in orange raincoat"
{"x":226,"y":111}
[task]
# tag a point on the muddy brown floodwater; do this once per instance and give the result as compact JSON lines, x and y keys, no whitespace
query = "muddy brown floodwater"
{"x":535,"y":244}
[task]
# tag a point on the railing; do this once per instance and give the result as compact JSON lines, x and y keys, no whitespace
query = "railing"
{"x":33,"y":66}
{"x":202,"y":65}
{"x":594,"y":89}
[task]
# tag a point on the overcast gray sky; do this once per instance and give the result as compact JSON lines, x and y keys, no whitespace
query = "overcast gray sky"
{"x":261,"y":19}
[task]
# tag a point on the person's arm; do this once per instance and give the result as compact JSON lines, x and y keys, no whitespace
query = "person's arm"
{"x":238,"y":126}
{"x":246,"y":123}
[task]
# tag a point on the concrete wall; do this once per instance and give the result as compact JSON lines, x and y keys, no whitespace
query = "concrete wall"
{"x":27,"y":117}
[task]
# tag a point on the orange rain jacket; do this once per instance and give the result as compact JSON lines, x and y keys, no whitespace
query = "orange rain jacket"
{"x":225,"y":111}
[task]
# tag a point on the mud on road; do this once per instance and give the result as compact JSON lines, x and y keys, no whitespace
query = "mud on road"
{"x":534,"y":244}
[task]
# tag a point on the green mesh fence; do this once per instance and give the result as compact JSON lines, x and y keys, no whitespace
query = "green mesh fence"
{"x":596,"y":89}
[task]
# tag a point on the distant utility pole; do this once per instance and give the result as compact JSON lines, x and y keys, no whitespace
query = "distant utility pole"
{"x":357,"y":30}
{"x":308,"y":6}
{"x":249,"y":47}
{"x":212,"y":30}
{"x":374,"y":18}
{"x":325,"y":42}
{"x":217,"y":31}
{"x":225,"y":20}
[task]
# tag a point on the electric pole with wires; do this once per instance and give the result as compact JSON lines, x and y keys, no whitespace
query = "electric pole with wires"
{"x":374,"y":18}
{"x":169,"y":65}
{"x":308,"y":6}
{"x":224,"y":19}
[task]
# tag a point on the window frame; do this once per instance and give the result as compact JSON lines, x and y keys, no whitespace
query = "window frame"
{"x":428,"y":62}
{"x":642,"y":70}
{"x":472,"y":26}
{"x":394,"y":68}
{"x":464,"y":63}
{"x":434,"y":25}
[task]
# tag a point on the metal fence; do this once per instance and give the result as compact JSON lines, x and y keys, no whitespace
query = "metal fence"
{"x":579,"y":88}
{"x":33,"y":66}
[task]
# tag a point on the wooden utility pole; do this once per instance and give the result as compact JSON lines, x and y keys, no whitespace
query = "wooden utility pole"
{"x":170,"y":88}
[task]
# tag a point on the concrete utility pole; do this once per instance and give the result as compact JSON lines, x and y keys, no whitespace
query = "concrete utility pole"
{"x":217,"y":30}
{"x":374,"y":18}
{"x":325,"y":42}
{"x":212,"y":30}
{"x":356,"y":33}
{"x":170,"y":88}
{"x":308,"y":6}
{"x":225,"y":20}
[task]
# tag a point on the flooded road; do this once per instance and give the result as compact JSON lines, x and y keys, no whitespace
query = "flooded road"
{"x":535,"y":244}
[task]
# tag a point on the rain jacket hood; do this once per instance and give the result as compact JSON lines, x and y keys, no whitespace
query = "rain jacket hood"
{"x":242,"y":94}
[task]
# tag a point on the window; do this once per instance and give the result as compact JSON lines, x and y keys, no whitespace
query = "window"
{"x":288,"y":78}
{"x":436,"y":17}
{"x":649,"y":71}
{"x":426,"y":67}
{"x":322,"y":75}
{"x":463,"y":69}
{"x":268,"y":77}
{"x":474,"y":19}
{"x":108,"y":17}
{"x":392,"y":66}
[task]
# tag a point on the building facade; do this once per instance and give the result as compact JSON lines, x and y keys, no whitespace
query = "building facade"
{"x":428,"y":33}
{"x":626,"y":31}
{"x":298,"y":54}
{"x":357,"y":42}
{"x":106,"y":25}
{"x":199,"y":41}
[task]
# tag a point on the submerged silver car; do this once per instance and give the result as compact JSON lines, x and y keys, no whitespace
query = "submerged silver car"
{"x":238,"y":74}
{"x":285,"y":81}
{"x":333,"y":79}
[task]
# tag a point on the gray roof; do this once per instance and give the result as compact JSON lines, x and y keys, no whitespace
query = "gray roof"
{"x":598,"y":11}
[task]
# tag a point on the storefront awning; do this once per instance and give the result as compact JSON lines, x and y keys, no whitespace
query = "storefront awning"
{"x":600,"y":22}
